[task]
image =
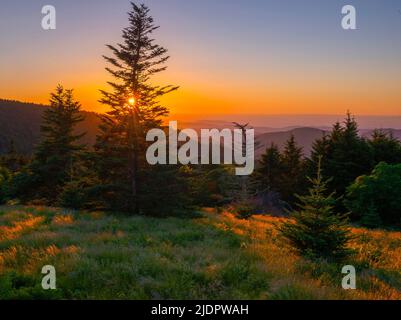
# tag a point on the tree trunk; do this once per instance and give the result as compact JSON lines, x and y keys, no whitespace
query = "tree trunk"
{"x":134,"y":164}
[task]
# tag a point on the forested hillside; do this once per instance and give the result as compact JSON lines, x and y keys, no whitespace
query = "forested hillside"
{"x":20,"y":125}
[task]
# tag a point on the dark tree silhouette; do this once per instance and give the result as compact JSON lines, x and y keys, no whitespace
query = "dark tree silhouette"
{"x":54,"y":158}
{"x":135,"y":108}
{"x":385,"y":147}
{"x":345,"y":155}
{"x":293,"y":175}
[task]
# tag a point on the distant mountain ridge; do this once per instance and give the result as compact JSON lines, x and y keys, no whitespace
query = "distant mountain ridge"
{"x":303,"y":136}
{"x":20,"y":123}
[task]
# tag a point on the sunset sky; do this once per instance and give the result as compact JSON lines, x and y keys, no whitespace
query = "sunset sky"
{"x":228,"y":56}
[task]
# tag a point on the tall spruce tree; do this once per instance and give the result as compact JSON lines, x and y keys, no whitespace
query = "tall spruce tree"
{"x":293,"y":163}
{"x":282,"y":172}
{"x":345,"y":155}
{"x":385,"y":147}
{"x":135,"y":108}
{"x":316,"y":231}
{"x":54,"y":158}
{"x":268,"y":175}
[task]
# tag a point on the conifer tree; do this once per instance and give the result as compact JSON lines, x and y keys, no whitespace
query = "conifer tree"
{"x":134,"y":101}
{"x":345,"y":155}
{"x":268,"y":174}
{"x":54,"y":158}
{"x":282,"y":172}
{"x":316,"y":231}
{"x":267,"y":180}
{"x":293,"y":170}
{"x":385,"y":147}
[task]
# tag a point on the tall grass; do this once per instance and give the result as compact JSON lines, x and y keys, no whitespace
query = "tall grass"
{"x":215,"y":256}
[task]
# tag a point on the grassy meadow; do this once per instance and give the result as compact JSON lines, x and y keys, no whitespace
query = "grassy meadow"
{"x":210,"y":256}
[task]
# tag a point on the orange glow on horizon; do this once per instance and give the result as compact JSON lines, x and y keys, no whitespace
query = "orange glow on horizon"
{"x":198,"y":97}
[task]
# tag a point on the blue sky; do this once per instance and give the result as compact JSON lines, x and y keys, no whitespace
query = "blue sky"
{"x":277,"y":52}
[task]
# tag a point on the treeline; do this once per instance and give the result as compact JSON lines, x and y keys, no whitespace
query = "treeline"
{"x":363,"y":175}
{"x":346,"y":178}
{"x":114,"y":174}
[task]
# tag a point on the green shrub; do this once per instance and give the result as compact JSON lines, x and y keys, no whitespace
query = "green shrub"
{"x":376,"y":198}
